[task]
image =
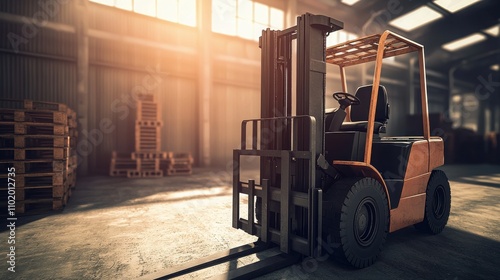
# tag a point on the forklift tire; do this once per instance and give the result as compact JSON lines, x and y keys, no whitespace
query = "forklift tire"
{"x":356,"y":220}
{"x":437,"y":204}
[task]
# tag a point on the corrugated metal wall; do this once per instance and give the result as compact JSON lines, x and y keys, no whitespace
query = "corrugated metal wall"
{"x":235,"y":96}
{"x":128,"y":53}
{"x":36,"y":62}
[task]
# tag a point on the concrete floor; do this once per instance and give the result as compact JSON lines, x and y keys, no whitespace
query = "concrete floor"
{"x":123,"y":229}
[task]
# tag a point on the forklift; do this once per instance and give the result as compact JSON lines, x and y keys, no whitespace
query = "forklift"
{"x":329,"y":176}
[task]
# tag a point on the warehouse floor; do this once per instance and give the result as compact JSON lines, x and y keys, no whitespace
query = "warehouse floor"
{"x":117,"y":228}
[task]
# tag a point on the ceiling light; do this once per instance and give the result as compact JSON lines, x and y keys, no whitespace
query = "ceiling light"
{"x":415,"y":19}
{"x":454,"y":5}
{"x":495,"y":67}
{"x":350,"y":2}
{"x":463,"y":42}
{"x":493,"y":31}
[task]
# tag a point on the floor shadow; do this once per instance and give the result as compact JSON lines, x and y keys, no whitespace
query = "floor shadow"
{"x":102,"y":192}
{"x":411,"y":254}
{"x":478,"y":182}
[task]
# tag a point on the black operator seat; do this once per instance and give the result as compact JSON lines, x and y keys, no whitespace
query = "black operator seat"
{"x":359,"y":113}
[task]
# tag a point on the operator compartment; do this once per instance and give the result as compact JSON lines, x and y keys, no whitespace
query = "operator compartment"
{"x":346,"y":140}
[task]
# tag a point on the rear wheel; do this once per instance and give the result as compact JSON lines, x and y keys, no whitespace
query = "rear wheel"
{"x":356,"y":220}
{"x":437,"y":203}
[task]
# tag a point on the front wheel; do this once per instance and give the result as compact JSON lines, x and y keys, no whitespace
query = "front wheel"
{"x":356,"y":217}
{"x":437,"y":203}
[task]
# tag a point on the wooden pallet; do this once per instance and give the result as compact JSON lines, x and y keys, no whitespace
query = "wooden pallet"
{"x":33,"y":128}
{"x":124,"y":163}
{"x":40,"y":116}
{"x":73,"y":142}
{"x":145,"y":174}
{"x":7,"y":128}
{"x":40,"y":129}
{"x":40,"y":180}
{"x":38,"y":206}
{"x":40,"y":105}
{"x":33,"y":141}
{"x":73,"y":133}
{"x":147,"y":145}
{"x":71,"y":179}
{"x":172,"y":172}
{"x":38,"y":187}
{"x":8,"y":115}
{"x":147,"y":138}
{"x":6,"y":141}
{"x":148,"y":123}
{"x":121,"y":163}
{"x":41,"y":153}
{"x":180,"y":158}
{"x":36,"y":166}
{"x":147,"y":111}
{"x":148,"y":164}
{"x":42,"y":205}
{"x":73,"y":161}
{"x":41,"y":141}
{"x":119,"y":172}
{"x":56,"y":191}
{"x":72,"y":121}
{"x":149,"y":155}
{"x":146,"y":97}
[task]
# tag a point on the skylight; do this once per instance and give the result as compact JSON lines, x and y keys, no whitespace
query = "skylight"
{"x":464,"y":42}
{"x":454,"y":5}
{"x":493,"y":31}
{"x":415,"y":19}
{"x":350,"y":2}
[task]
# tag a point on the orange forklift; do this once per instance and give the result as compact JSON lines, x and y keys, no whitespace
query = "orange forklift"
{"x":330,"y":177}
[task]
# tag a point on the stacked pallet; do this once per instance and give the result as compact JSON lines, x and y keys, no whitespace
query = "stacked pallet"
{"x":178,"y":164}
{"x":148,"y":161}
{"x":73,"y":141}
{"x":147,"y":139}
{"x":145,"y":160}
{"x":35,"y":140}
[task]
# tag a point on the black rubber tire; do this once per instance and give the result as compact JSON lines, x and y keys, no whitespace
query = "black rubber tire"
{"x":356,"y":220}
{"x":437,"y":204}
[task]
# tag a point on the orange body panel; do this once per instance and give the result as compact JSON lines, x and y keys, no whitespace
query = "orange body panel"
{"x":418,"y":161}
{"x":361,"y":169}
{"x":410,"y":211}
{"x":436,"y":148}
{"x":412,"y":203}
{"x":415,"y":185}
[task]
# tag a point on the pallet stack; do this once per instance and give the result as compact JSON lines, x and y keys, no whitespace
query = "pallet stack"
{"x":147,"y":139}
{"x":35,"y":140}
{"x":178,"y":164}
{"x":148,"y":161}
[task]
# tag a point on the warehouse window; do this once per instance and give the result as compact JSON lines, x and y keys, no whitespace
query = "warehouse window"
{"x":179,"y":11}
{"x":245,"y":18}
{"x":338,"y":37}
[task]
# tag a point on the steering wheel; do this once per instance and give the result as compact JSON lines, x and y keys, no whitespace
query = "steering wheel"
{"x":346,"y":99}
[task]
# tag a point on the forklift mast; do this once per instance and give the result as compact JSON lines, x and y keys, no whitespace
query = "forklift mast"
{"x":289,"y":186}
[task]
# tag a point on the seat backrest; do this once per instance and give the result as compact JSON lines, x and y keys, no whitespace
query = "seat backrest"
{"x":360,"y":112}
